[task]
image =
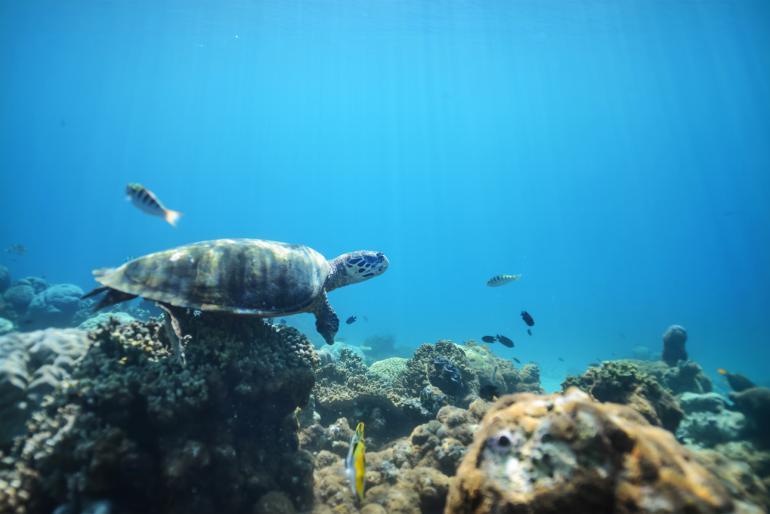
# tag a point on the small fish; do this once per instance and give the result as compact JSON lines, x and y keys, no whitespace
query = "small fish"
{"x":488,"y":339}
{"x":351,"y":320}
{"x":16,"y":249}
{"x":527,"y":319}
{"x":517,"y":360}
{"x":355,"y":463}
{"x":561,"y":360}
{"x":500,"y":280}
{"x":489,"y":392}
{"x":147,"y":202}
{"x":505,"y":341}
{"x":529,"y":331}
{"x":282,"y":322}
{"x":736,"y":382}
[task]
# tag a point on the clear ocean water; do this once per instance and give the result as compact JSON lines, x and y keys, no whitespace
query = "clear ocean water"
{"x":615,"y":153}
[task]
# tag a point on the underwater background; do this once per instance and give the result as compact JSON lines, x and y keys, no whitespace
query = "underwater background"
{"x":614,"y":153}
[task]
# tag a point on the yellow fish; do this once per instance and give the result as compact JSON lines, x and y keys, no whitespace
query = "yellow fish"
{"x":355,"y":463}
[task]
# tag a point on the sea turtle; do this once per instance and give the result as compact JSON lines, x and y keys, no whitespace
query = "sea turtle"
{"x":250,"y":277}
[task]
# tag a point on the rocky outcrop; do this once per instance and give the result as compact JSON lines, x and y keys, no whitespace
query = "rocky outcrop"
{"x":567,"y":453}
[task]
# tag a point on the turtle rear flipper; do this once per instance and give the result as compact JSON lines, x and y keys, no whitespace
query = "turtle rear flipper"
{"x":112,"y":297}
{"x":326,"y":321}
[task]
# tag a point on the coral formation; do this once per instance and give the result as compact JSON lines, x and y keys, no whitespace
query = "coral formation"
{"x":624,"y":382}
{"x":137,"y":427}
{"x":674,"y":340}
{"x":32,"y":365}
{"x":708,"y":421}
{"x":55,"y":306}
{"x":389,"y":370}
{"x":5,"y":278}
{"x":566,"y":453}
{"x":6,"y":326}
{"x":105,"y":317}
{"x":19,"y":296}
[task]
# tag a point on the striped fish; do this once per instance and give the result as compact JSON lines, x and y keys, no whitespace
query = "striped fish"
{"x":147,"y":202}
{"x":355,"y":463}
{"x":501,"y":280}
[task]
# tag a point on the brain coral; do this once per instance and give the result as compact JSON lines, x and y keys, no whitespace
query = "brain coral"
{"x":566,"y":453}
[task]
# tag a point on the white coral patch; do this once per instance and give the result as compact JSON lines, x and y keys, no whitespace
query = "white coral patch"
{"x":177,"y":255}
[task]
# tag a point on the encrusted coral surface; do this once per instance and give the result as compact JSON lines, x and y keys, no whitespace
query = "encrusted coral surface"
{"x":32,"y":365}
{"x":626,"y":383}
{"x":138,"y":428}
{"x":567,"y":453}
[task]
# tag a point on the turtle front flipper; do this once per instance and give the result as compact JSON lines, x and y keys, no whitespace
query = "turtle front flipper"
{"x":326,"y":321}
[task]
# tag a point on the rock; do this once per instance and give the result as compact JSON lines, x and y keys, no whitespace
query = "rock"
{"x":673,"y":345}
{"x":626,"y":383}
{"x":5,"y":278}
{"x":754,"y":403}
{"x":104,"y":317}
{"x":55,"y":306}
{"x":6,"y":326}
{"x":738,"y":382}
{"x":32,"y":365}
{"x":566,"y":453}
{"x":19,"y":296}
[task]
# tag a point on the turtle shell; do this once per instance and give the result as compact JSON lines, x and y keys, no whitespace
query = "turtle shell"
{"x":242,"y":276}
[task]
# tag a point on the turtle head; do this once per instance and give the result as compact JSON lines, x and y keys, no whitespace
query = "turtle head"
{"x":353,"y":267}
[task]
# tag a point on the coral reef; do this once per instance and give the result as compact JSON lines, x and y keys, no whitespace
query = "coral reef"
{"x":5,"y":278}
{"x":566,"y":453}
{"x":708,"y":421}
{"x":6,"y":326}
{"x":18,"y":297}
{"x":626,"y":383}
{"x":32,"y":365}
{"x":136,"y":426}
{"x":389,"y":370}
{"x":105,"y":317}
{"x":674,"y":340}
{"x":754,"y":403}
{"x":54,"y":306}
{"x":409,"y":476}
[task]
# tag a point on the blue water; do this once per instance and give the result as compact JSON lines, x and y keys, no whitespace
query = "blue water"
{"x":615,"y":153}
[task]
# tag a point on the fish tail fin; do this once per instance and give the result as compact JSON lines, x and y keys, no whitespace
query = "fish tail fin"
{"x":172,"y":217}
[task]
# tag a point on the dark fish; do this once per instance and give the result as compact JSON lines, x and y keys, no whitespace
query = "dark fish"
{"x":501,"y":280}
{"x":517,"y":360}
{"x":505,"y":341}
{"x":527,"y":319}
{"x":489,"y":392}
{"x":736,"y":382}
{"x":488,"y":339}
{"x":146,"y":201}
{"x":282,"y":322}
{"x":351,"y":320}
{"x":16,"y":249}
{"x":529,"y":331}
{"x":561,"y":360}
